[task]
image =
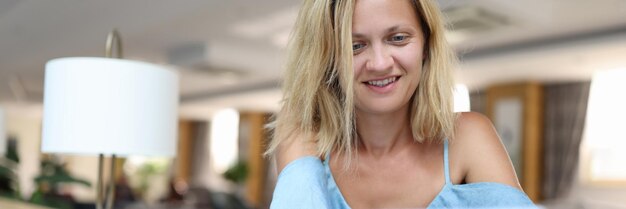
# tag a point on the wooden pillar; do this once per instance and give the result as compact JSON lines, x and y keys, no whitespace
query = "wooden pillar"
{"x":184,"y":152}
{"x":257,"y":165}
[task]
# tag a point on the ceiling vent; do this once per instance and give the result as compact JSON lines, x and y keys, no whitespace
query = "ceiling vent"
{"x":473,"y":19}
{"x":195,"y":57}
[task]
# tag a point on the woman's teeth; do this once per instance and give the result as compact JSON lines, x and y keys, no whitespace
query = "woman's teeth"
{"x":381,"y":83}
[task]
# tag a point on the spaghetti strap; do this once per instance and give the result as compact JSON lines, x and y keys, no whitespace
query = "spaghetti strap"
{"x":446,"y":166}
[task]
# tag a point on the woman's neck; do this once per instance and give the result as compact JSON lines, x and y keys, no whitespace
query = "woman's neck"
{"x":380,"y":134}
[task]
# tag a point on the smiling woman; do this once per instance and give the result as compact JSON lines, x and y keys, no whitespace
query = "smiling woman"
{"x":367,"y":119}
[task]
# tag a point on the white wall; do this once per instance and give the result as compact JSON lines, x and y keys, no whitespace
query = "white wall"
{"x":86,"y":168}
{"x":27,"y":129}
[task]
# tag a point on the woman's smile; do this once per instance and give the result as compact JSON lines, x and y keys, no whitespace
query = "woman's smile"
{"x":383,"y":85}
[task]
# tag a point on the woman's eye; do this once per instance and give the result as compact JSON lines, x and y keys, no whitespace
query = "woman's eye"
{"x":398,"y":38}
{"x":357,"y":46}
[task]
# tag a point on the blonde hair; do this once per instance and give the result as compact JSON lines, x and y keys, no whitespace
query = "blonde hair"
{"x":318,"y":85}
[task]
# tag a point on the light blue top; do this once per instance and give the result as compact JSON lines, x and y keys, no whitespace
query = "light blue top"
{"x":308,"y":183}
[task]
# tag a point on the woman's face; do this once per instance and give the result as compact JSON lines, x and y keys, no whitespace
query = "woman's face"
{"x":387,"y":42}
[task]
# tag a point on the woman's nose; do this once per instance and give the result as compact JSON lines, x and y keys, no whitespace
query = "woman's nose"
{"x":379,"y":59}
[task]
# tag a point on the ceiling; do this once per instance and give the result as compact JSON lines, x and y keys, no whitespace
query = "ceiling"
{"x":230,"y":53}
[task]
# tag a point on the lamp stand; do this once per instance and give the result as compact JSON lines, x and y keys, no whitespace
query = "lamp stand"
{"x":110,"y":188}
{"x":112,"y":39}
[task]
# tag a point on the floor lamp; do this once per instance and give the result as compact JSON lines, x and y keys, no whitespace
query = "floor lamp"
{"x":109,"y":107}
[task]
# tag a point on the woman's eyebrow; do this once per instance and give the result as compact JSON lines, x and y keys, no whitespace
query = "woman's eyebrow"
{"x":393,"y":29}
{"x":357,"y":35}
{"x":388,"y":30}
{"x":405,"y":27}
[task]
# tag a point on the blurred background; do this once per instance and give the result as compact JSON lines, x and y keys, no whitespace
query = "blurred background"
{"x":532,"y":66}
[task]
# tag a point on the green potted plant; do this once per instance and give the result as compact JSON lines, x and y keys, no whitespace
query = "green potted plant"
{"x":53,"y":175}
{"x":237,"y":173}
{"x":9,"y":183}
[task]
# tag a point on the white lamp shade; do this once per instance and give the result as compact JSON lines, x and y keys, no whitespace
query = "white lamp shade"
{"x":3,"y":135}
{"x":109,"y":106}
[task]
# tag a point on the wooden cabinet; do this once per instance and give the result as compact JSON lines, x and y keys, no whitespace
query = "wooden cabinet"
{"x":517,"y":113}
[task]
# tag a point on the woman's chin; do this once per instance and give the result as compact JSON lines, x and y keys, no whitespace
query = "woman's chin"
{"x":382,"y":108}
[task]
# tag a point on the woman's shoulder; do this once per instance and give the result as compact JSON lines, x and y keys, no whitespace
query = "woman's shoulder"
{"x":298,"y":145}
{"x":475,"y":130}
{"x":479,"y":151}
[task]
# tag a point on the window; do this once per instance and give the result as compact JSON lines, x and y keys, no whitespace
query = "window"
{"x":604,"y":146}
